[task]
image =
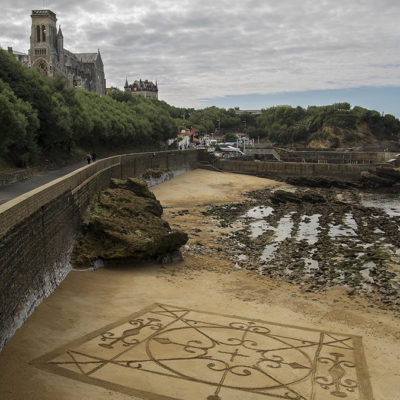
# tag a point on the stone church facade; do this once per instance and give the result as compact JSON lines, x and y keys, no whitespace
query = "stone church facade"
{"x":47,"y":53}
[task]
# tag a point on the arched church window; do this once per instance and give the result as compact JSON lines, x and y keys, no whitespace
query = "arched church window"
{"x":43,"y":33}
{"x":42,"y":65}
{"x":38,"y":33}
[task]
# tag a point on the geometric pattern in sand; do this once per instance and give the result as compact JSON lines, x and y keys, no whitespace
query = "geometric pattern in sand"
{"x":167,"y":352}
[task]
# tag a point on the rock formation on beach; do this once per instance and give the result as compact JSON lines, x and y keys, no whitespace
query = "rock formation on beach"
{"x":124,"y":223}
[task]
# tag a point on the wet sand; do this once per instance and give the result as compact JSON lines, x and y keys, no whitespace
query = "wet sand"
{"x":89,"y":301}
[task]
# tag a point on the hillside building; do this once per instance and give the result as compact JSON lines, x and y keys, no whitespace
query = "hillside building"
{"x":47,"y":53}
{"x":143,"y":88}
{"x":21,"y":57}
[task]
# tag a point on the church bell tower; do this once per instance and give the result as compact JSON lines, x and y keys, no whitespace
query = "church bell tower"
{"x":43,"y":50}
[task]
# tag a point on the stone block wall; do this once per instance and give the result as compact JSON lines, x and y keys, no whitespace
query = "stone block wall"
{"x":336,"y":157}
{"x":37,"y":229}
{"x":278,"y":170}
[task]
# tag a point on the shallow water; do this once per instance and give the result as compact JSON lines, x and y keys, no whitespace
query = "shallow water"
{"x":390,"y":205}
{"x":310,"y":265}
{"x":259,"y":212}
{"x":348,"y":228}
{"x":344,"y":238}
{"x":259,"y":227}
{"x":308,"y":228}
{"x":269,"y":252}
{"x":365,"y":272}
{"x":282,"y":231}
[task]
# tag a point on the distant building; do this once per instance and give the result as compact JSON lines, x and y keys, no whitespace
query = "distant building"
{"x":188,"y":138}
{"x":47,"y":54}
{"x":143,"y":88}
{"x":21,"y":57}
{"x":111,"y":89}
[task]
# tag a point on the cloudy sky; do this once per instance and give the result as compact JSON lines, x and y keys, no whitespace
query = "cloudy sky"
{"x":249,"y":53}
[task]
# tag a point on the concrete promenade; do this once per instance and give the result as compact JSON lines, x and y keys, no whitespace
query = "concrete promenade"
{"x":16,"y":189}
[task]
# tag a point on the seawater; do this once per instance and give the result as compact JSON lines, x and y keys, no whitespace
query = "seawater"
{"x":343,"y":231}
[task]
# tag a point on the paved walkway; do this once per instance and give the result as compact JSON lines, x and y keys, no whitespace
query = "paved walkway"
{"x":16,"y":189}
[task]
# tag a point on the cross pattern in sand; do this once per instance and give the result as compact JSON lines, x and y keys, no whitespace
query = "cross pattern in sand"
{"x":168,"y":352}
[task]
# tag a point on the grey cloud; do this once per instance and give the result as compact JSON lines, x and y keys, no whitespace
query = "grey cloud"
{"x":199,"y":49}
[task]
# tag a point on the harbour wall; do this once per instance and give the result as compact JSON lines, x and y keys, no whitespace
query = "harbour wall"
{"x":336,"y":157}
{"x":37,"y":229}
{"x":283,"y":170}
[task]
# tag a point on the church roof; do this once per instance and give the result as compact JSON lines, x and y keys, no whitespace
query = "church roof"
{"x":18,"y":53}
{"x":86,"y":57}
{"x":47,"y":13}
{"x":143,"y":85}
{"x":69,"y":53}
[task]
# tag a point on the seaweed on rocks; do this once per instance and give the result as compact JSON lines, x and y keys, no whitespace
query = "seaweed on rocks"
{"x":317,"y":239}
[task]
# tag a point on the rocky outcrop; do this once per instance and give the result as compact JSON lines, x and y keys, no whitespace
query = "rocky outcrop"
{"x":124,"y":223}
{"x":388,"y":171}
{"x":383,"y":176}
{"x":285,"y":196}
{"x":319,"y":181}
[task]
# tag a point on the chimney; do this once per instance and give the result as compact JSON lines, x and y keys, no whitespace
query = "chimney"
{"x":10,"y":50}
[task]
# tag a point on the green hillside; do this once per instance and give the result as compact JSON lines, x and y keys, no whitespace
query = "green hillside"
{"x":336,"y":125}
{"x":40,"y":117}
{"x":331,"y":126}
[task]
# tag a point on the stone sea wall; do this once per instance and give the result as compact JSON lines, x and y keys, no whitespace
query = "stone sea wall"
{"x":37,"y":229}
{"x":337,"y":157}
{"x":283,"y":170}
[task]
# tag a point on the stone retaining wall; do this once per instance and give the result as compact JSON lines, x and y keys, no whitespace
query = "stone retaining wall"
{"x":278,"y":170}
{"x":336,"y":157}
{"x":37,"y":229}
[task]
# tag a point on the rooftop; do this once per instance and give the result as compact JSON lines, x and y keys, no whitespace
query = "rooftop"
{"x":41,"y":13}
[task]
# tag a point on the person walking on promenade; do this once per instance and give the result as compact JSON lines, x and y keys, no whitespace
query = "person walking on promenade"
{"x":88,"y":158}
{"x":94,"y":156}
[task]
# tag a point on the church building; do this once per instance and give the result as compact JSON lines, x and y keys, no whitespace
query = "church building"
{"x":47,"y":53}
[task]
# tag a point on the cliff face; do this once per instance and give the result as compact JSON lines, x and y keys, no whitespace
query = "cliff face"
{"x":125,"y":223}
{"x":361,"y":136}
{"x":330,"y":137}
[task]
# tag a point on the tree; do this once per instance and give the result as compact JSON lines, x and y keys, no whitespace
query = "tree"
{"x":18,"y":127}
{"x":230,"y":137}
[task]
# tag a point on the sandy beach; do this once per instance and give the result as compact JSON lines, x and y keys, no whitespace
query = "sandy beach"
{"x":75,"y":344}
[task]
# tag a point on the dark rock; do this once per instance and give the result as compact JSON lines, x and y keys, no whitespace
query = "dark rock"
{"x":319,"y":181}
{"x":134,"y":185}
{"x":313,"y":197}
{"x":387,"y":171}
{"x":124,"y":223}
{"x":283,"y":196}
{"x":375,"y":180}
